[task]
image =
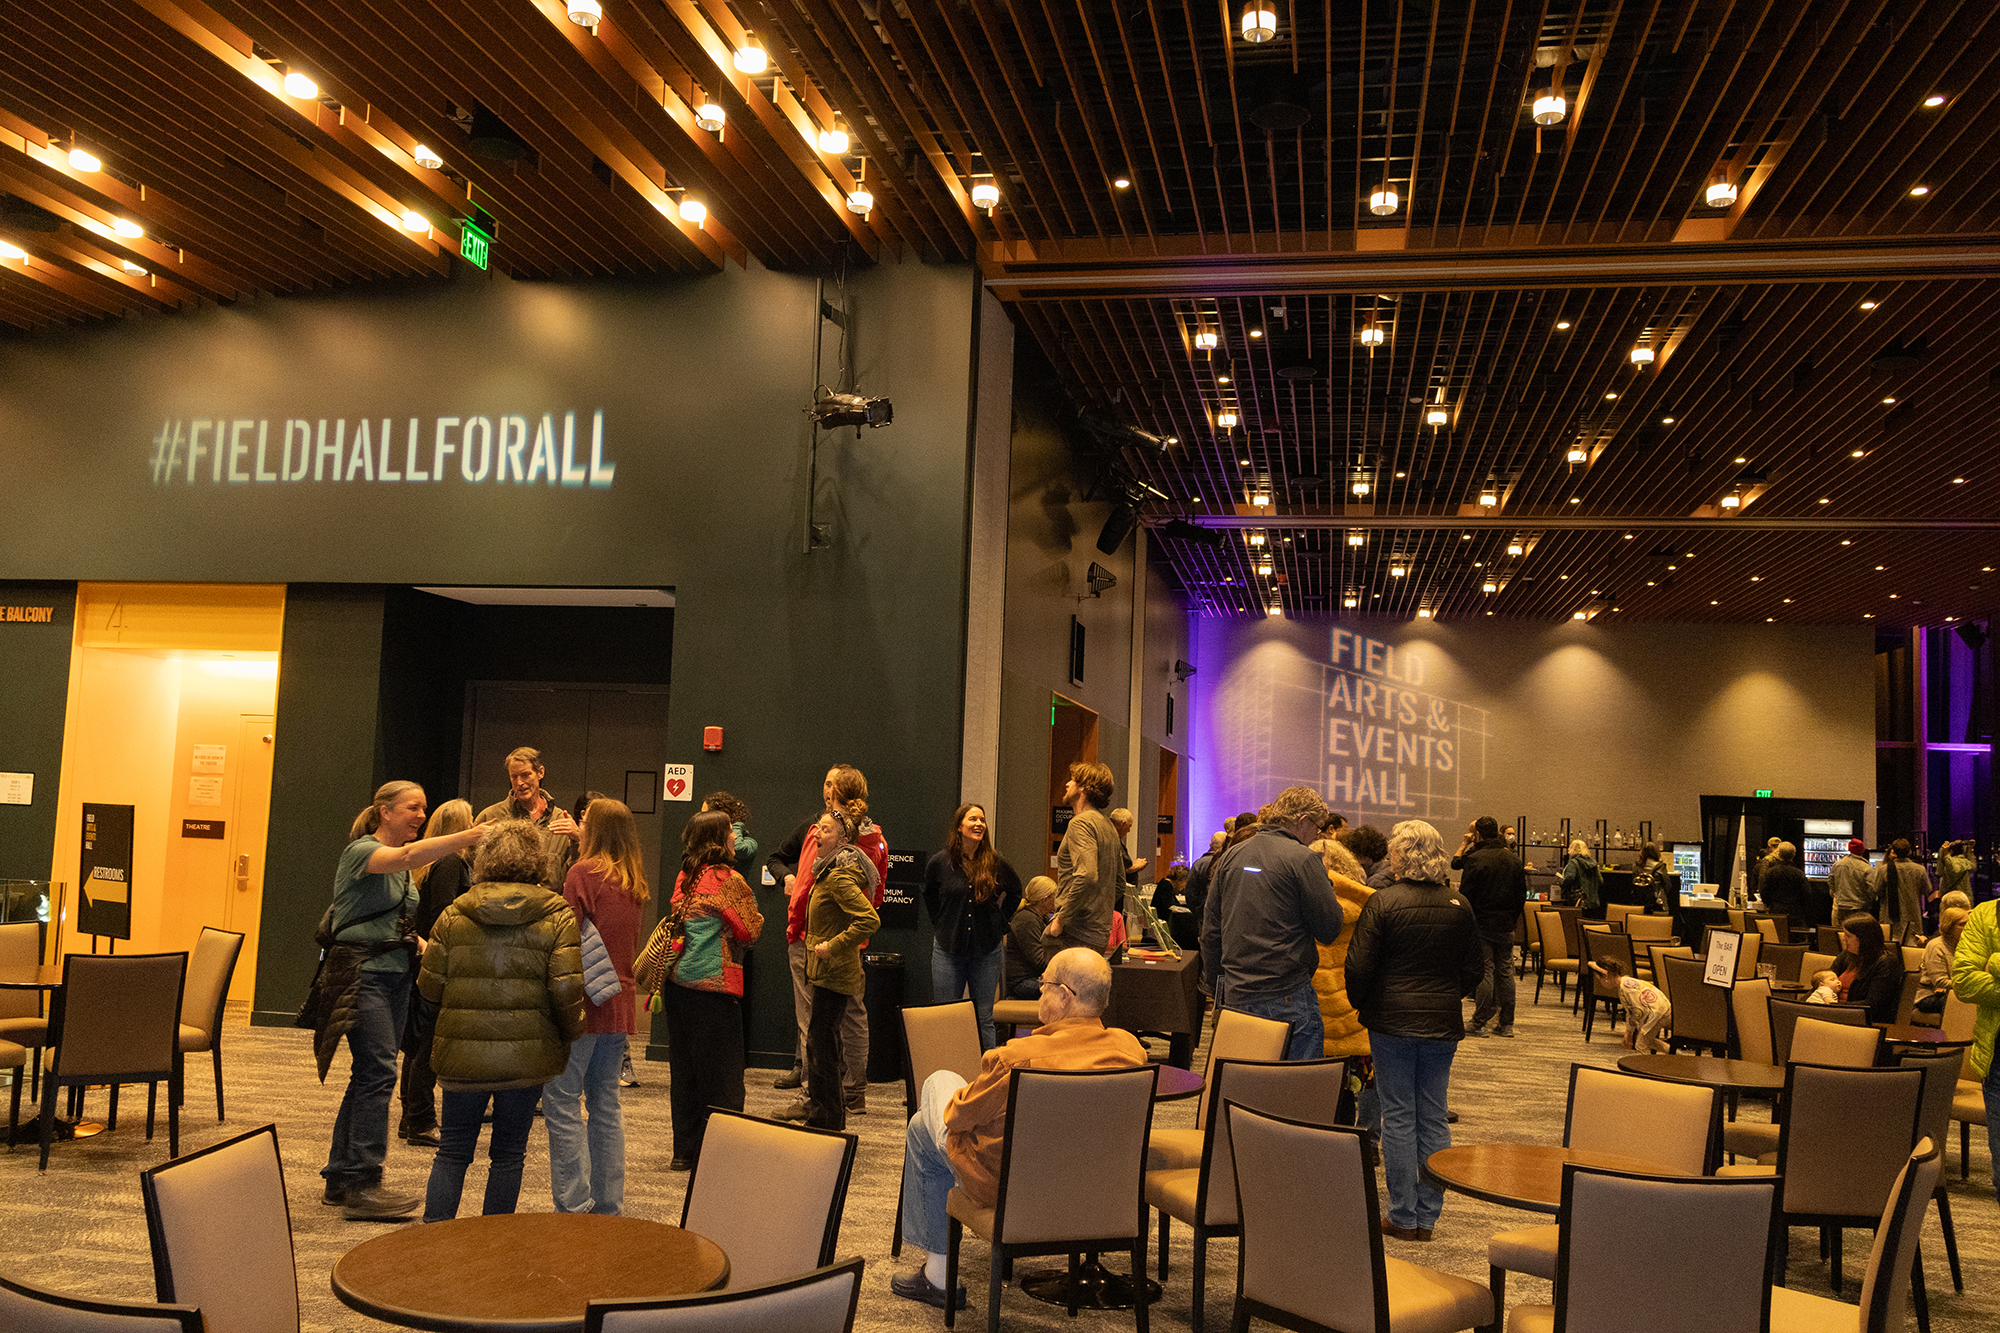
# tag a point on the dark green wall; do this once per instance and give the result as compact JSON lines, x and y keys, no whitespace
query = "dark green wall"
{"x":34,"y":663}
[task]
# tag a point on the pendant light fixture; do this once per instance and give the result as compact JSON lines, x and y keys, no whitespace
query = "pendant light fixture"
{"x":1206,"y":337}
{"x":710,"y":116}
{"x":1226,"y":418}
{"x":1436,"y":416}
{"x":586,"y":14}
{"x":1721,"y":194}
{"x":1550,"y":108}
{"x":860,"y":199}
{"x":750,"y":58}
{"x":1642,"y":356}
{"x":1260,"y":20}
{"x":834,"y":138}
{"x":1383,"y":202}
{"x":986,"y":195}
{"x":1372,"y":336}
{"x":426,"y":158}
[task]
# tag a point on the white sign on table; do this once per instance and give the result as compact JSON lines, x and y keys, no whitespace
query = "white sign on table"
{"x":1724,"y":946}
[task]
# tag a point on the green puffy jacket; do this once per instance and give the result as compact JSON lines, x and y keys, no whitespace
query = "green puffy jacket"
{"x":839,"y":916}
{"x":1975,"y":976}
{"x":506,"y":964}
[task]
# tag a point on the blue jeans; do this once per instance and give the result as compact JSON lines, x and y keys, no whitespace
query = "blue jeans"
{"x":587,"y":1164}
{"x":513,"y":1117}
{"x":1412,"y":1076}
{"x":927,"y":1173}
{"x":361,"y":1129}
{"x":1991,"y":1090}
{"x":951,"y":975}
{"x":1299,"y":1007}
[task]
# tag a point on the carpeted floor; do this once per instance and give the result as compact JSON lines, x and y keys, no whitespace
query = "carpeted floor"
{"x":80,"y":1225}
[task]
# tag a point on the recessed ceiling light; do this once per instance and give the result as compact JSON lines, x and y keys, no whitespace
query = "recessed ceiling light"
{"x":1671,"y":568}
{"x":1889,"y":400}
{"x":1401,"y":475}
{"x":1869,"y":305}
{"x":299,"y":86}
{"x":1465,"y":536}
{"x":1756,"y":578}
{"x":1479,"y":564}
{"x":1423,"y":613}
{"x":1690,"y":555}
{"x":1489,"y":613}
{"x":1788,"y":601}
{"x":1742,"y":460}
{"x":1713,"y":602}
{"x":1350,"y":601}
{"x":1958,"y":481}
{"x":1562,"y":325}
{"x":1122,"y":183}
{"x":1894,"y":595}
{"x":1642,"y":356}
{"x":1867,"y":615}
{"x":861,"y":200}
{"x":1769,"y":619}
{"x":1919,"y":191}
{"x":1593,"y":592}
{"x":1666,"y":421}
{"x":1880,"y":568}
{"x":1935,"y":99}
{"x":1356,"y":539}
{"x":1610,"y":395}
{"x":1244,"y":462}
{"x":1858,"y":453}
{"x":1256,"y":333}
{"x":1847,"y":541}
{"x":1578,"y":456}
{"x":1576,"y":499}
{"x":1628,"y":536}
{"x":1563,"y":577}
{"x":1196,"y":500}
{"x":1649,"y":583}
{"x":1222,"y":379}
{"x":1825,"y":500}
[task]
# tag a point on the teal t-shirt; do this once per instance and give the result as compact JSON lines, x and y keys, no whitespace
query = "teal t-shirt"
{"x":357,"y":893}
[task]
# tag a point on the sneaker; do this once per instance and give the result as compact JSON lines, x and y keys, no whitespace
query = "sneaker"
{"x":681,"y":1164}
{"x":335,"y":1195}
{"x":375,"y":1203}
{"x":795,"y":1079}
{"x":1504,"y":1030}
{"x":857,"y":1102}
{"x":627,"y":1076}
{"x":795,"y":1111}
{"x":1476,"y":1030}
{"x":915,"y":1286}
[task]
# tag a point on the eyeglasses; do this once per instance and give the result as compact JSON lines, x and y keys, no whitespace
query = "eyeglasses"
{"x":1059,"y":985}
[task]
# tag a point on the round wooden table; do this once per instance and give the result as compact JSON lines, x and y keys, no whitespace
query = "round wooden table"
{"x":528,"y":1272}
{"x":1910,"y":1034}
{"x":1710,"y":1071}
{"x":1522,"y":1175}
{"x":1176,"y":1083}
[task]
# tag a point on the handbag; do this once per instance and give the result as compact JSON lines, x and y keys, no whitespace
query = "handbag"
{"x":646,"y":967}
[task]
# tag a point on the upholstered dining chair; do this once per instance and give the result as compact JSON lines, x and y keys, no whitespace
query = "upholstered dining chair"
{"x":1204,"y":1196}
{"x":1968,"y":1105}
{"x":770,"y":1194}
{"x":1672,"y":1126}
{"x":1941,"y":1072}
{"x":1826,"y":940}
{"x":23,"y":1021}
{"x":1812,"y":1042}
{"x":1785,"y":960}
{"x":935,"y":1036}
{"x":1238,"y":1036}
{"x":1885,"y":1283}
{"x":1785,"y":1015}
{"x":117,"y":1023}
{"x":1557,"y":956}
{"x":1749,"y":956}
{"x":210,"y":968}
{"x":1657,"y":955}
{"x":1072,"y":1177}
{"x":1603,"y":946}
{"x":1615,"y":914}
{"x":221,"y":1232}
{"x":32,"y":1308}
{"x":1843,"y":1135}
{"x":822,"y":1301}
{"x":15,"y":1057}
{"x":1311,"y":1253}
{"x":1612,"y":1218}
{"x":1700,"y":1011}
{"x":1814,"y":963}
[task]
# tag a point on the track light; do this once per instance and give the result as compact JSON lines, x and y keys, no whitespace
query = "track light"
{"x":1721,"y":194}
{"x":834,"y":138}
{"x":861,"y":199}
{"x":710,"y":116}
{"x":127,"y":228}
{"x":1642,"y":356}
{"x":82,"y":159}
{"x":1361,"y":487}
{"x":1350,"y":602}
{"x":1550,"y":109}
{"x":750,"y":57}
{"x":986,"y":195}
{"x":586,"y":14}
{"x":1423,"y":613}
{"x":1260,"y":20}
{"x":1226,"y":418}
{"x":1489,"y":586}
{"x":692,"y":208}
{"x":426,"y":158}
{"x":299,"y":86}
{"x":1398,"y":571}
{"x":1383,"y":202}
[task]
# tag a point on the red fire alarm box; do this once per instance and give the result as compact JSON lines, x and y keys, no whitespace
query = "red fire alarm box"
{"x":711,"y":738}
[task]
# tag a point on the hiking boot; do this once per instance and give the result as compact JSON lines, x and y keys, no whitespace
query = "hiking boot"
{"x":335,"y":1195}
{"x":795,"y":1111}
{"x":1504,"y":1030}
{"x":856,"y":1102}
{"x":795,"y":1079}
{"x":374,"y":1203}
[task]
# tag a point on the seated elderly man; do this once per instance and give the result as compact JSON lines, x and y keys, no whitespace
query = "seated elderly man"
{"x":956,"y":1135}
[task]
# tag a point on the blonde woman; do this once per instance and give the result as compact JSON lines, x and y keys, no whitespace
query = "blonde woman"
{"x":437,"y":884}
{"x":607,"y":889}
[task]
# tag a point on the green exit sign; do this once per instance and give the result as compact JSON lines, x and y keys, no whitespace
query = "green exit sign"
{"x":474,"y":245}
{"x":1761,"y":791}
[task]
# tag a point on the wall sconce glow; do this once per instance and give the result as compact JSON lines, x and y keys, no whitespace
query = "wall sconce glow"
{"x":1436,"y":416}
{"x":1642,"y":356}
{"x":136,"y":270}
{"x":1550,"y":109}
{"x":426,"y":158}
{"x":299,"y":86}
{"x":834,"y":138}
{"x":710,"y":116}
{"x":1225,"y":419}
{"x":986,"y":195}
{"x":1260,"y":20}
{"x":415,"y":221}
{"x":693,"y":209}
{"x":860,"y":200}
{"x":1373,"y":335}
{"x":1205,"y":338}
{"x":81,"y":159}
{"x":127,"y":228}
{"x":1383,"y":202}
{"x":1721,"y":195}
{"x":750,"y":58}
{"x":586,"y":14}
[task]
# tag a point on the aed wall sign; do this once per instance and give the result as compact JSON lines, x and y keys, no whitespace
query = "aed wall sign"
{"x":222,"y":451}
{"x":28,"y":615}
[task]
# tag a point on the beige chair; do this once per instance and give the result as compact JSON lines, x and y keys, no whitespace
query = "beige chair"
{"x":1814,"y":963}
{"x":1941,"y":1071}
{"x":1072,"y":1176}
{"x":1557,"y":956}
{"x":27,"y":1309}
{"x":1906,"y":998}
{"x":1843,"y":1044}
{"x":935,"y":1036}
{"x":1656,"y":956}
{"x":1913,"y":957}
{"x":1673,"y":1126}
{"x":1701,"y":1011}
{"x":1311,"y":1253}
{"x":1749,"y":956}
{"x":1238,"y":1036}
{"x":1769,"y":930}
{"x":822,"y":1301}
{"x":770,"y":1194}
{"x":22,"y":1020}
{"x":1647,"y":929}
{"x":1785,"y":1015}
{"x":1843,"y":1137}
{"x":117,"y":1024}
{"x":210,"y":967}
{"x":1826,"y":940}
{"x":1749,"y":1005}
{"x":1204,"y":1196}
{"x":1885,"y":1283}
{"x":1604,"y":946}
{"x":1615,"y":914}
{"x":1615,"y":1227}
{"x":1968,"y":1106}
{"x":222,"y":1234}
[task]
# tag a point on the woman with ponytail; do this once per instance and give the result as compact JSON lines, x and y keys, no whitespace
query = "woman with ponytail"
{"x":607,"y":890}
{"x":365,"y":988}
{"x":839,"y":916}
{"x":971,"y":895}
{"x":713,"y":918}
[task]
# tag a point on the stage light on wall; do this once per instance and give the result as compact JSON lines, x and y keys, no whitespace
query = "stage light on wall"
{"x":1383,"y":202}
{"x":1260,"y":20}
{"x":750,"y":58}
{"x":426,"y":158}
{"x":1550,"y":109}
{"x":586,"y":14}
{"x":710,"y":116}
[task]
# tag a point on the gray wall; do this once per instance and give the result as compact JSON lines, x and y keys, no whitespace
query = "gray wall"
{"x":854,"y":653}
{"x":34,"y":663}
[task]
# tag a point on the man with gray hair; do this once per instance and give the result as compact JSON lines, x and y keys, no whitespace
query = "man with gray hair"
{"x":957,"y":1134}
{"x":1269,"y":906}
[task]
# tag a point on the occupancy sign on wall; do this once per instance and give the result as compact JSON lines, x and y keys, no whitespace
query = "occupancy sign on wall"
{"x":104,"y":875}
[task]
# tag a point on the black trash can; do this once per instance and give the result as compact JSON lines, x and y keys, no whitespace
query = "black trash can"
{"x":884,"y":998}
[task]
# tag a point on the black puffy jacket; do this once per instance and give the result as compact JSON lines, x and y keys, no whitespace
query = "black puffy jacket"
{"x":1495,"y":882}
{"x":1415,"y":956}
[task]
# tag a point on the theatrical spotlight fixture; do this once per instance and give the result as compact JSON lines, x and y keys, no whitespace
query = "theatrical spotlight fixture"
{"x":692,"y":208}
{"x":1642,"y":356}
{"x":1357,"y":539}
{"x":1550,"y":108}
{"x":1183,"y":668}
{"x":710,"y":116}
{"x":1256,"y":539}
{"x":1226,"y":418}
{"x":986,"y":195}
{"x":1489,"y":586}
{"x":1182,"y":530}
{"x":750,"y":57}
{"x":1513,"y":548}
{"x":1423,"y":613}
{"x":299,"y":86}
{"x":851,"y":409}
{"x":1372,"y":336}
{"x":426,"y":158}
{"x":1721,"y":194}
{"x":82,"y":159}
{"x":1100,"y":580}
{"x":1206,"y":338}
{"x":833,"y":139}
{"x":586,"y":14}
{"x":1260,"y":20}
{"x":1383,"y":202}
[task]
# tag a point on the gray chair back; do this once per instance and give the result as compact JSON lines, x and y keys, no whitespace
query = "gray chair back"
{"x":770,"y":1194}
{"x":221,"y":1232}
{"x":1609,"y":1216}
{"x":1785,"y":1015}
{"x":822,"y":1301}
{"x":1701,"y":1011}
{"x":1074,"y":1160}
{"x":28,"y":1309}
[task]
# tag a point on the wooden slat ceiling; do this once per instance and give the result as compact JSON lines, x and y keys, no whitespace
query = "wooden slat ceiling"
{"x":1160,"y":177}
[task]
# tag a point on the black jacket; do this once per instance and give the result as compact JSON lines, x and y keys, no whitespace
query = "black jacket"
{"x":1414,"y":957}
{"x":960,"y":926}
{"x":1784,"y":888}
{"x":1495,"y":882}
{"x":1879,"y":987}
